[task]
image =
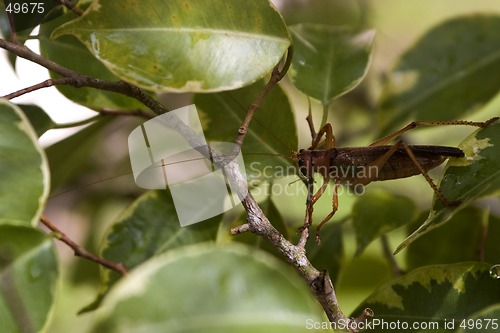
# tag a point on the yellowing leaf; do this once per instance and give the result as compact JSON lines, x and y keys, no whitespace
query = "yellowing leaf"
{"x":201,"y":45}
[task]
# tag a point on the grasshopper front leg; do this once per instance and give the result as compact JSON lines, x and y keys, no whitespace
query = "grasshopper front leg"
{"x":329,"y":143}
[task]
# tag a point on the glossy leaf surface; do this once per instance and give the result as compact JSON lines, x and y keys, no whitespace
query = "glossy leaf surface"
{"x":329,"y":61}
{"x":449,"y":292}
{"x":458,"y":240}
{"x":28,"y":278}
{"x":451,"y":70}
{"x":475,"y":176}
{"x":260,"y":295}
{"x":38,"y":118}
{"x":71,"y":53}
{"x":25,"y":174}
{"x":148,"y":227}
{"x":377,"y":212}
{"x":202,"y":45}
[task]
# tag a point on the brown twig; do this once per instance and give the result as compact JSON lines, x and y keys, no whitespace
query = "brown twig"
{"x":41,"y":85}
{"x":80,"y":251}
{"x":276,"y":76}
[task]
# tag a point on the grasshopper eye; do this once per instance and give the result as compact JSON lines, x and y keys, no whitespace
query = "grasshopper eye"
{"x":302,"y":166}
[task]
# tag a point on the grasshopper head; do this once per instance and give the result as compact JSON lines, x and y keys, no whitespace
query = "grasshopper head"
{"x":305,"y":162}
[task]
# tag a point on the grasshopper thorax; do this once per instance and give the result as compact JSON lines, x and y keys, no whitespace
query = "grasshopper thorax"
{"x":315,"y":161}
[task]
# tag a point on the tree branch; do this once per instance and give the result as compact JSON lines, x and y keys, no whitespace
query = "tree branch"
{"x":80,"y":251}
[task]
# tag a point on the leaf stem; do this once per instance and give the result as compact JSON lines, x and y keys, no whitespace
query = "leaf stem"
{"x":77,"y":123}
{"x":79,"y":250}
{"x":103,"y":113}
{"x":276,"y":76}
{"x":396,"y":270}
{"x":324,"y":117}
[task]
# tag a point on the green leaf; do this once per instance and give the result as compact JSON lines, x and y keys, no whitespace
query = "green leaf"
{"x":475,"y":176}
{"x":28,"y":279}
{"x":329,"y":61}
{"x":69,"y":52}
{"x":202,"y":45}
{"x":237,"y":289}
{"x":457,"y":241}
{"x":272,"y":130}
{"x":441,"y":293}
{"x":437,"y":79}
{"x":25,"y":174}
{"x":38,"y":118}
{"x":148,"y":227}
{"x":377,"y":212}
